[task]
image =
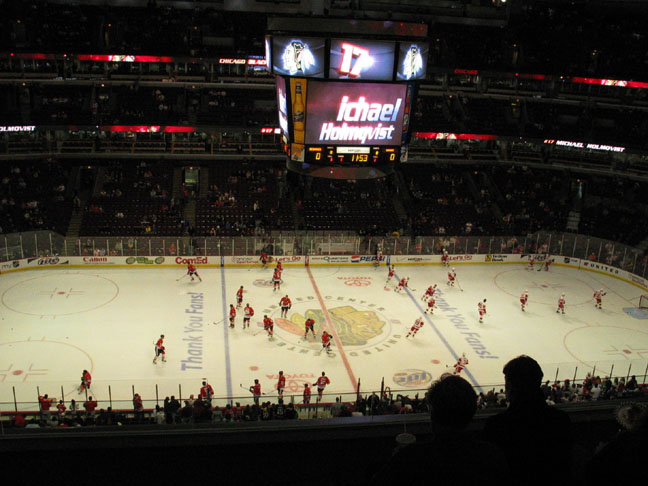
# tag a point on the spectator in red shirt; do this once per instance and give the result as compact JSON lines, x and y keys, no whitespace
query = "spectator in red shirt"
{"x":90,"y":405}
{"x":45,"y":404}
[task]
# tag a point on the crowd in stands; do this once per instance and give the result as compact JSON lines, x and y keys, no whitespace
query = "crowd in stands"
{"x":612,"y":40}
{"x":34,"y":196}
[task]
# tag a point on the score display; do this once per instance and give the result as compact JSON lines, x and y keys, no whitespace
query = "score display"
{"x":326,"y":154}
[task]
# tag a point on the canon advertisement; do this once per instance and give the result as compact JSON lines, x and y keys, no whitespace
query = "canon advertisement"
{"x":355,"y":113}
{"x":298,"y":56}
{"x":359,"y":59}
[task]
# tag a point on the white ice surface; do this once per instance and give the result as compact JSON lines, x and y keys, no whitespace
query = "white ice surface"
{"x":57,"y":322}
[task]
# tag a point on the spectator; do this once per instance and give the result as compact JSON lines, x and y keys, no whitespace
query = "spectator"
{"x":138,"y":408}
{"x":628,"y":448}
{"x":527,"y":431}
{"x":90,"y":405}
{"x":453,"y":455}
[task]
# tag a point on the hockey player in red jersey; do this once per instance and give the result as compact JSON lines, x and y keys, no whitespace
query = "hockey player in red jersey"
{"x":206,"y":392}
{"x":452,"y":277}
{"x":256,"y":391}
{"x":248,"y":312}
{"x":276,"y":280}
{"x":429,"y":292}
{"x":460,"y":364}
{"x":481,"y":308}
{"x":86,"y":381}
{"x":321,"y":383}
{"x":239,"y":297}
{"x":232,"y":315}
{"x":326,"y":341}
{"x":285,"y":304}
{"x":445,"y":258}
{"x":191,"y":271}
{"x":547,"y":263}
{"x":264,"y":259}
{"x":279,"y":267}
{"x":532,"y":261}
{"x":561,"y":304}
{"x":307,"y":393}
{"x":418,"y":324}
{"x":281,"y":384}
{"x":402,"y":284}
{"x":390,"y":274}
{"x":159,"y":349}
{"x":309,"y":325}
{"x":268,"y":326}
{"x":598,"y":297}
{"x":430,"y":305}
{"x":524,"y":298}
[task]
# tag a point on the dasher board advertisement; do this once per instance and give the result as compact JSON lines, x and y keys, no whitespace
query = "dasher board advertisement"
{"x":298,"y":56}
{"x":355,"y":113}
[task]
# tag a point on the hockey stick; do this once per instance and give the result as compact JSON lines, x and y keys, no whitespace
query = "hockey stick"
{"x":217,"y":322}
{"x":262,"y":393}
{"x":459,"y":285}
{"x":178,"y":279}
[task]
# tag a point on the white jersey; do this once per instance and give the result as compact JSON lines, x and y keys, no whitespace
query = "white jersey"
{"x":482,"y":307}
{"x":418,"y":324}
{"x":598,"y":294}
{"x":524,"y":297}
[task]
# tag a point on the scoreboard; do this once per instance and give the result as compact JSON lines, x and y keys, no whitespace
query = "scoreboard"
{"x":351,"y":155}
{"x":345,"y":101}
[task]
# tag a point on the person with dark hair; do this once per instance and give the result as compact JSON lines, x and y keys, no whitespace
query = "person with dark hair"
{"x":531,"y":433}
{"x":628,"y":446}
{"x":451,"y":454}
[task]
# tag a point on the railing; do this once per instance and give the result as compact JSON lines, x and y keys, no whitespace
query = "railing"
{"x":154,"y":394}
{"x":42,"y":243}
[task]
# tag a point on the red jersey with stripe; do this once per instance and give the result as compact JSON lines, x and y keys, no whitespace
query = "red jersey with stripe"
{"x":277,"y":274}
{"x":248,"y":311}
{"x":322,"y":381}
{"x":239,"y":293}
{"x":267,"y":322}
{"x":191,"y":268}
{"x":232,"y":312}
{"x":285,"y":302}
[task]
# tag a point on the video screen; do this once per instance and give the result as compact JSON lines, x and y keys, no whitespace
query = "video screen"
{"x":362,"y":60}
{"x":412,"y":61}
{"x":298,"y":56}
{"x":282,"y":105}
{"x":354,"y":113}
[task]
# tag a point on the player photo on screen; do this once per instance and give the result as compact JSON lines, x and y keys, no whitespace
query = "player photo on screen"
{"x":359,"y":59}
{"x":298,"y":56}
{"x":355,"y":113}
{"x":412,"y":61}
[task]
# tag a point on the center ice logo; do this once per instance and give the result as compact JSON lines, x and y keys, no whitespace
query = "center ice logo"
{"x":354,"y":327}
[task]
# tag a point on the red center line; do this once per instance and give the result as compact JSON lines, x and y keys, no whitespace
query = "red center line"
{"x":332,"y":330}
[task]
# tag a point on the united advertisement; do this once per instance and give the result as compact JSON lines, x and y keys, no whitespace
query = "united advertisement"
{"x":355,"y":114}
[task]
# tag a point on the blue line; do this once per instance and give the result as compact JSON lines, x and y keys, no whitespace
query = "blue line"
{"x":228,"y":367}
{"x":427,"y":318}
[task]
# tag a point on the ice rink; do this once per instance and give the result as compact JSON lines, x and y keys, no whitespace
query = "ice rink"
{"x":57,"y":322}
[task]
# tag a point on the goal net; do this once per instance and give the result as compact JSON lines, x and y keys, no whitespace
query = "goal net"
{"x":643,"y":302}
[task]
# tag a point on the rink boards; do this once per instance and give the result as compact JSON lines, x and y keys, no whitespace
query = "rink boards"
{"x":314,"y":261}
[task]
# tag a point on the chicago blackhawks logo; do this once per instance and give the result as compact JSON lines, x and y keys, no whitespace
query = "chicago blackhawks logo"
{"x":298,"y":57}
{"x":360,"y":326}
